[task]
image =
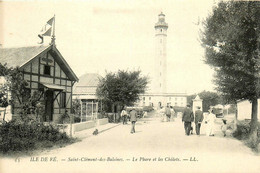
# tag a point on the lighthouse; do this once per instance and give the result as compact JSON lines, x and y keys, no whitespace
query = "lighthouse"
{"x":160,"y":62}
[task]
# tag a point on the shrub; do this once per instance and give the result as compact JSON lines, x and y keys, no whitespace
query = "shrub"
{"x":147,"y":108}
{"x":242,"y":133}
{"x":77,"y":119}
{"x":17,"y":136}
{"x":178,"y":109}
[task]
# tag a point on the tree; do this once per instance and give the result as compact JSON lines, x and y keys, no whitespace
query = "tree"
{"x":209,"y":99}
{"x":231,"y":40}
{"x":190,"y":98}
{"x":121,"y":88}
{"x":20,"y":94}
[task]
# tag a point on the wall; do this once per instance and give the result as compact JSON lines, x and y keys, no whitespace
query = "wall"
{"x":77,"y":127}
{"x":244,"y":109}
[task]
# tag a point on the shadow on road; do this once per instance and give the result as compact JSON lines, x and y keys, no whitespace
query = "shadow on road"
{"x":108,"y":129}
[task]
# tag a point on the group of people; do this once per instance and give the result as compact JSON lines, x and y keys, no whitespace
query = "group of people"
{"x":167,"y":113}
{"x":188,"y":118}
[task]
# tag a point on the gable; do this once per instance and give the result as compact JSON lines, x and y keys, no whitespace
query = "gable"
{"x":36,"y":66}
{"x":25,"y":56}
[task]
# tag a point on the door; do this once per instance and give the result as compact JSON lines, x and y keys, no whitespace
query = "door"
{"x":49,"y":106}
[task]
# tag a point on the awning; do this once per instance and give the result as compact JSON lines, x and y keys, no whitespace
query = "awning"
{"x":85,"y":97}
{"x":53,"y":87}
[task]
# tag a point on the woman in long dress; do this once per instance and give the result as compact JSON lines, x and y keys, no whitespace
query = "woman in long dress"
{"x":210,"y":121}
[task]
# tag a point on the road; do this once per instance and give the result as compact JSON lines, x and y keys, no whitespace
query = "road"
{"x":155,"y":147}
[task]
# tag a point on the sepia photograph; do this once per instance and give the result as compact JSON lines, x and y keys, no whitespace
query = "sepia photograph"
{"x":129,"y":86}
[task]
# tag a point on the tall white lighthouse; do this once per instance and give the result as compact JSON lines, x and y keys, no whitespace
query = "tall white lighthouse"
{"x":160,"y":70}
{"x":158,"y":95}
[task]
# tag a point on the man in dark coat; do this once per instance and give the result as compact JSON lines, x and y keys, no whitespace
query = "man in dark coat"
{"x":198,"y":119}
{"x":133,"y":119}
{"x":187,"y":118}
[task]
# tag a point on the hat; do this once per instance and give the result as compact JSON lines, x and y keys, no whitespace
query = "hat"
{"x":198,"y":107}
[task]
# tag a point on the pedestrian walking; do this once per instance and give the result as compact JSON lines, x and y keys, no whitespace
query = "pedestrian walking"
{"x":168,"y":113}
{"x":224,"y":127}
{"x":133,"y":119}
{"x":144,"y":114}
{"x":162,"y":114}
{"x":210,"y":121}
{"x":187,"y":118}
{"x":198,"y":120}
{"x":124,"y":116}
{"x":172,"y":113}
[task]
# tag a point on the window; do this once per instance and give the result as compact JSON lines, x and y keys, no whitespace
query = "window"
{"x":170,"y":98}
{"x":63,"y":100}
{"x":47,"y":70}
{"x":161,"y":30}
{"x":150,"y":98}
{"x":175,"y":98}
{"x":143,"y":98}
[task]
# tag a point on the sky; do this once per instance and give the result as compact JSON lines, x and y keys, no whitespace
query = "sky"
{"x":102,"y":36}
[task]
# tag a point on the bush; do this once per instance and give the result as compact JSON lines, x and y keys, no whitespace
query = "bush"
{"x":243,"y":131}
{"x":148,"y":108}
{"x":178,"y":109}
{"x":17,"y":136}
{"x":77,"y":119}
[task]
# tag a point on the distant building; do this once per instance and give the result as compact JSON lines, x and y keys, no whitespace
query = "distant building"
{"x":45,"y":70}
{"x":158,"y":95}
{"x":173,"y":99}
{"x":85,"y":92}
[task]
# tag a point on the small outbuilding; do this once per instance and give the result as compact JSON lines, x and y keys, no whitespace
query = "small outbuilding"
{"x":85,"y":92}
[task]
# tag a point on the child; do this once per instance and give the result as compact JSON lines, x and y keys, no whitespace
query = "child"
{"x":224,"y":127}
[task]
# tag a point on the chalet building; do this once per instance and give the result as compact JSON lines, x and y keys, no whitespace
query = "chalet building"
{"x":85,"y":92}
{"x":45,"y":70}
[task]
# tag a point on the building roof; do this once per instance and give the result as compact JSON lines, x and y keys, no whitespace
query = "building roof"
{"x":197,"y":98}
{"x":89,"y":79}
{"x":18,"y":57}
{"x":87,"y":84}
